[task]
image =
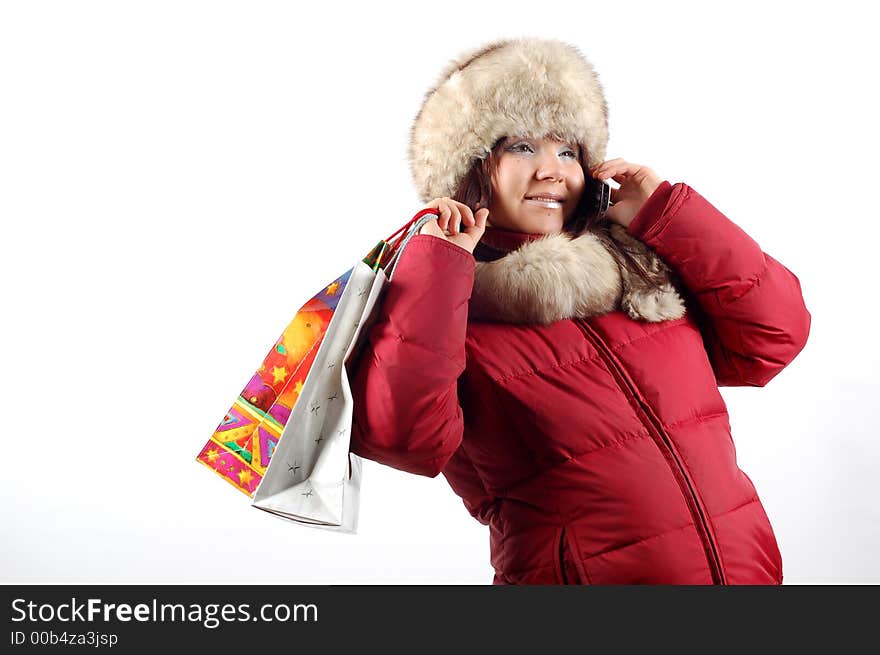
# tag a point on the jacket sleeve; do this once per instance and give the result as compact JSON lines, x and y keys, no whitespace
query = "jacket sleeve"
{"x":750,"y":308}
{"x":404,"y":386}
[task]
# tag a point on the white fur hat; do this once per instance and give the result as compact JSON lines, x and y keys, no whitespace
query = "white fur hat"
{"x":523,"y":86}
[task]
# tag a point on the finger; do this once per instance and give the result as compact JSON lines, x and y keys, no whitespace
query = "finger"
{"x":481,"y":218}
{"x":477,"y":217}
{"x":608,"y":162}
{"x":607,"y":169}
{"x":450,"y":223}
{"x":620,"y":176}
{"x":604,"y":172}
{"x":431,"y":227}
{"x":445,"y":213}
{"x":454,"y":216}
{"x":467,"y":216}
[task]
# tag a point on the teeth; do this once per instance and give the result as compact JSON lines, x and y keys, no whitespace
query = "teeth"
{"x":544,"y":199}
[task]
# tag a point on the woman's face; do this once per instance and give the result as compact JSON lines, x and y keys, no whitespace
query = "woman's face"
{"x":527,"y":170}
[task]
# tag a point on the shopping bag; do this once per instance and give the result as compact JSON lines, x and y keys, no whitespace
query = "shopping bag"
{"x":312,"y":477}
{"x":296,"y":409}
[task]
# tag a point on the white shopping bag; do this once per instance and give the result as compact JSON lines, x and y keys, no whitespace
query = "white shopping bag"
{"x":312,"y":477}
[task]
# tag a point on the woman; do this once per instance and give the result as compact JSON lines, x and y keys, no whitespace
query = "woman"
{"x":559,"y":366}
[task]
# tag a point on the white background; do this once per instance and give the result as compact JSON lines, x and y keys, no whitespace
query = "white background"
{"x":178,"y":178}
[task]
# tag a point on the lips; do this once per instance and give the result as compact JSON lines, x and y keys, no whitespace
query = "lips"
{"x":546,"y":196}
{"x":545,"y":200}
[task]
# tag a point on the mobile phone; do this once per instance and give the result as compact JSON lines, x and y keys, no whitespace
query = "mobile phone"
{"x":596,"y":201}
{"x":604,"y":197}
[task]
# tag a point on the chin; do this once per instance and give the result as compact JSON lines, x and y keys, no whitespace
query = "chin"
{"x":531,"y":223}
{"x":549,"y":226}
{"x":543,"y":223}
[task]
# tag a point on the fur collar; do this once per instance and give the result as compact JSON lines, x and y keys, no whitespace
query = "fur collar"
{"x":538,"y":278}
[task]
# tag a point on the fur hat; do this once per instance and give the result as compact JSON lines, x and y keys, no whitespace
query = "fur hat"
{"x":525,"y":86}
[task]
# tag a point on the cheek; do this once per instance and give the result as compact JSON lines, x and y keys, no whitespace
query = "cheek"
{"x":513,"y":180}
{"x":503,"y":185}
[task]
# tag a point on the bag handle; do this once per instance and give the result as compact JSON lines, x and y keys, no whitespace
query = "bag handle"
{"x":412,"y":228}
{"x":409,"y":223}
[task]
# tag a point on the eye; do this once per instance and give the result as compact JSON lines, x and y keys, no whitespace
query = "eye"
{"x":518,"y":146}
{"x":570,"y":152}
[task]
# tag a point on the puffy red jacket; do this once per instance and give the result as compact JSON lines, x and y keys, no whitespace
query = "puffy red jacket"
{"x":598,"y":450}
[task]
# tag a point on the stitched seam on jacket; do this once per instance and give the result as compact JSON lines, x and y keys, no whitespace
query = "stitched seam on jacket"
{"x":640,"y":541}
{"x":424,"y":346}
{"x":629,"y":436}
{"x":646,"y":539}
{"x":633,"y":543}
{"x":665,"y":219}
{"x":443,"y":243}
{"x":512,"y":376}
{"x":663,"y":534}
{"x":752,"y":283}
{"x":738,"y":507}
{"x":676,"y":323}
{"x":740,"y":349}
{"x":534,"y":371}
{"x":729,"y":351}
{"x":695,"y":419}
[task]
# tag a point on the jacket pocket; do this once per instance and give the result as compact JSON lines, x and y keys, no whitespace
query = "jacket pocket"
{"x":565,"y":561}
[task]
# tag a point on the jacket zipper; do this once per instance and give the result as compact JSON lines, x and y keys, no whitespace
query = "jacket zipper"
{"x":665,"y":444}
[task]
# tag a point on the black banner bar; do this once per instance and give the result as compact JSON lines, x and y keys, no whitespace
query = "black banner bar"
{"x":264,"y":619}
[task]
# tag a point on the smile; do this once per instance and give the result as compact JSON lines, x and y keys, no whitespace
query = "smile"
{"x":550,"y":204}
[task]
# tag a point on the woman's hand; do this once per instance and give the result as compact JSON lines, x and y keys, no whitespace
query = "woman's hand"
{"x":453,"y":217}
{"x":637,"y":183}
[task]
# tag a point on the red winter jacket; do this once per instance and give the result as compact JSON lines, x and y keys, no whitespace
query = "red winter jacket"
{"x":598,"y":451}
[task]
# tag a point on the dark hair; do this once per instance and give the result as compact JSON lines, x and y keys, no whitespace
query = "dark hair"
{"x":475,"y":191}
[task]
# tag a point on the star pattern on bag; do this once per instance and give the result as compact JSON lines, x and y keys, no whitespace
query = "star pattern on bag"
{"x":293,"y":468}
{"x":315,"y":407}
{"x":334,"y":396}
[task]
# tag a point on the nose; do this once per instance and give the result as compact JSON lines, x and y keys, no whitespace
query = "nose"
{"x":550,"y":166}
